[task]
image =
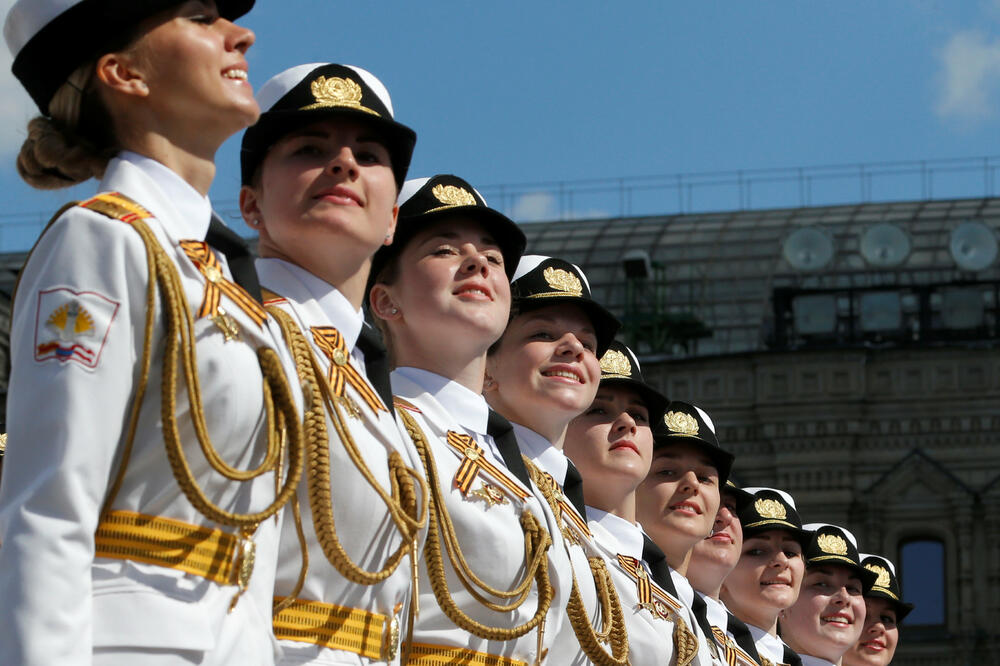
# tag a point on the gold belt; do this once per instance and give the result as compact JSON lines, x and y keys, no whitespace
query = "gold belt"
{"x":338,"y":627}
{"x":194,"y":549}
{"x":422,"y":654}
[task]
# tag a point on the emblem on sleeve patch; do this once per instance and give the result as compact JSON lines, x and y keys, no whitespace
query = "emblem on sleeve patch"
{"x":72,"y":326}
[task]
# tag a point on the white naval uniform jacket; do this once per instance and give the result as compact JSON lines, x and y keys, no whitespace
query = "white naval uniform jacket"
{"x":566,"y":650}
{"x":360,"y":516}
{"x":490,"y":535}
{"x":650,"y":636}
{"x":68,"y":415}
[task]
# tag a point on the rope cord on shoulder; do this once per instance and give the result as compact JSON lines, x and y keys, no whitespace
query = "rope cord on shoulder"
{"x":278,"y":401}
{"x":613,"y":627}
{"x":536,"y":545}
{"x":407,"y":502}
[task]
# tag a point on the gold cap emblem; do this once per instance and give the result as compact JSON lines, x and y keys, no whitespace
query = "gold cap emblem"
{"x":334,"y":92}
{"x":831,"y":543}
{"x":452,"y":195}
{"x":615,"y":362}
{"x":769,"y":508}
{"x":883,"y":579}
{"x":681,"y":423}
{"x":563,"y":281}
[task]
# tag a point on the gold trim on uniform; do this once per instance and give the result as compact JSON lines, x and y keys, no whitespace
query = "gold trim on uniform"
{"x":361,"y":632}
{"x":882,"y":583}
{"x":174,"y":544}
{"x":615,"y":364}
{"x":453,"y":195}
{"x":424,"y":654}
{"x":207,"y":263}
{"x":734,"y":654}
{"x":337,"y":92}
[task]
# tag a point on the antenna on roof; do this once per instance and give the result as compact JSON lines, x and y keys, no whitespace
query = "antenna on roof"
{"x":808,"y":248}
{"x":885,"y":245}
{"x":973,"y":246}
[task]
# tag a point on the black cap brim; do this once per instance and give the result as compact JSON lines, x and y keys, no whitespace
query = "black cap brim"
{"x":273,"y":125}
{"x":654,"y":401}
{"x":722,"y":459}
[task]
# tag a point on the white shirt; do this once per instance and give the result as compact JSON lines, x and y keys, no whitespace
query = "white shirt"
{"x":768,"y":646}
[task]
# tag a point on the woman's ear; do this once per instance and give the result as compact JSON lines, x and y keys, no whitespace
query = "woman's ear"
{"x":392,"y":227}
{"x":250,"y":207}
{"x":381,"y":304}
{"x":119,"y":73}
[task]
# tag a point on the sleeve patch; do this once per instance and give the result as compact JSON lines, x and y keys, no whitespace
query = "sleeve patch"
{"x":72,"y":326}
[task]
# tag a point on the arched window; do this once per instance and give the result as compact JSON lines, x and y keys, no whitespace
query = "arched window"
{"x":922,"y":577}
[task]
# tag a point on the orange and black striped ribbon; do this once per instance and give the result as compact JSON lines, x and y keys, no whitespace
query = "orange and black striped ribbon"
{"x":216,"y":284}
{"x":474,"y":460}
{"x":645,"y":588}
{"x":734,"y":654}
{"x":567,"y":512}
{"x":341,"y":372}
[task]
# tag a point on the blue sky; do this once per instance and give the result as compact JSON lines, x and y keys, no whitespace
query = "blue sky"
{"x":523,"y":92}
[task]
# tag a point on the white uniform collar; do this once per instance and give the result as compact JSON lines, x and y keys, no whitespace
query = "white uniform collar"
{"x":294,"y":282}
{"x":469,"y":409}
{"x":768,"y":645}
{"x":193,"y":211}
{"x":684,"y":590}
{"x":628,"y":535}
{"x":718,"y":614}
{"x":541,"y":452}
{"x":808,"y":660}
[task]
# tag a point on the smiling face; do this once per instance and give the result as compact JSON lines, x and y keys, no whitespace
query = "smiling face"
{"x":766,"y":579}
{"x":325,"y":200}
{"x":192,"y":64}
{"x":544,"y":372}
{"x":827,"y":618}
{"x":679,"y":498}
{"x":878,"y":638}
{"x":449,"y":299}
{"x":714,"y":557}
{"x":611,"y":445}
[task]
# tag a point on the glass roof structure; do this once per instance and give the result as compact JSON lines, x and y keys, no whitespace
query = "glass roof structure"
{"x":724,"y":267}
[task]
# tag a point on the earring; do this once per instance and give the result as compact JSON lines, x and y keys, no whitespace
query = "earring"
{"x":142,"y":86}
{"x":395,"y":311}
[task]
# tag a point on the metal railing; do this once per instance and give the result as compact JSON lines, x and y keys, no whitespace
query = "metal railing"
{"x":694,"y":192}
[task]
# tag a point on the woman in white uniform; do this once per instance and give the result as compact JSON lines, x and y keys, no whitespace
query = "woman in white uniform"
{"x":884,"y":611}
{"x":768,"y":575}
{"x":147,"y":406}
{"x":712,"y":560}
{"x":678,"y":503}
{"x":321,"y":172}
{"x":611,"y":444}
{"x":827,"y":618}
{"x":441,"y":292}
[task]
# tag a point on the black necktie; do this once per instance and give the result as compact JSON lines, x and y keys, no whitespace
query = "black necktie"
{"x":700,"y":611}
{"x":741,"y":633}
{"x":657,"y":561}
{"x":237,"y":252}
{"x":573,"y":489}
{"x":376,"y":364}
{"x":502,"y":433}
{"x":791,"y":657}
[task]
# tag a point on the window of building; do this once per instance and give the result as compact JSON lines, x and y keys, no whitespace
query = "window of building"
{"x":922,"y":577}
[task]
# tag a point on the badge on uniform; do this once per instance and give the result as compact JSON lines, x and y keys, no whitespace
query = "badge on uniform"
{"x":72,"y":326}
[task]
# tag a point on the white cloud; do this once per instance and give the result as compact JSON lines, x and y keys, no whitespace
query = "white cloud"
{"x":16,"y":108}
{"x":970,"y":77}
{"x":534,"y":207}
